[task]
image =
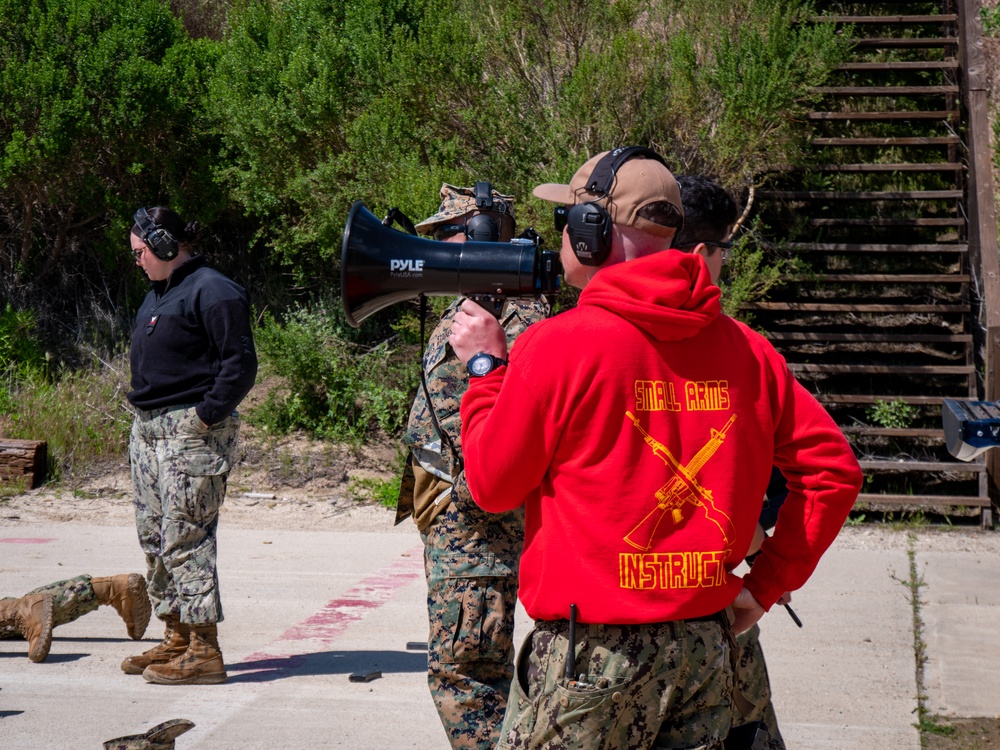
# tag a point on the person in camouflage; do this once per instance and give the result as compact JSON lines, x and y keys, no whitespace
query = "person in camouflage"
{"x":752,"y":680}
{"x":470,"y":557}
{"x":193,"y":361}
{"x":630,"y":586}
{"x":34,"y":615}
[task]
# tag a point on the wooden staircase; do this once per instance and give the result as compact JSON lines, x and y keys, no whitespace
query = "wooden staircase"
{"x":881,"y":320}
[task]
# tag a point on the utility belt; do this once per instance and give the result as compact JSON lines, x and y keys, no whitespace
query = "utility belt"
{"x":724,"y":617}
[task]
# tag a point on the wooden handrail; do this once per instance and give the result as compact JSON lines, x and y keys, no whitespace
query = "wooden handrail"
{"x":982,"y":229}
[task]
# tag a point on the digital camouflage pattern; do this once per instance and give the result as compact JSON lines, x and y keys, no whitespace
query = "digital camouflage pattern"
{"x":471,"y":557}
{"x":72,"y":598}
{"x":179,"y":472}
{"x":447,"y":379}
{"x":471,"y":562}
{"x":456,"y":202}
{"x":753,"y":683}
{"x":665,"y":685}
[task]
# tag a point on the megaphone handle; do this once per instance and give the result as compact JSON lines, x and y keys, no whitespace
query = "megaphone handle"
{"x":492,"y":303}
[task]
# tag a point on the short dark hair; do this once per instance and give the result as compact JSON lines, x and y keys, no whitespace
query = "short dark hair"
{"x":169,"y":219}
{"x":663,"y":213}
{"x":709,"y":211}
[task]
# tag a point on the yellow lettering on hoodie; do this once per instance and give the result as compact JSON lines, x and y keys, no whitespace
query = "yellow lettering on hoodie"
{"x":706,"y":395}
{"x":671,"y":570}
{"x":655,"y":395}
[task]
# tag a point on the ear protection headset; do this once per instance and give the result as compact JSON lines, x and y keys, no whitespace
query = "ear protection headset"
{"x":159,"y":240}
{"x":589,"y":224}
{"x":483,"y":227}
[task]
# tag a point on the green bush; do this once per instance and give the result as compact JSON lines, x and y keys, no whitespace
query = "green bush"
{"x":892,"y":414}
{"x":331,"y":387}
{"x":83,"y":416}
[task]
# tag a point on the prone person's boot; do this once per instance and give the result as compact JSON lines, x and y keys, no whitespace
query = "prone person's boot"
{"x":32,"y":615}
{"x":127,"y":594}
{"x":201,"y":664}
{"x":160,"y":737}
{"x":174,"y":643}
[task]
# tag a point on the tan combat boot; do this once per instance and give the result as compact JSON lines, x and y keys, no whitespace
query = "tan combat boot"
{"x":32,"y":615}
{"x":127,"y":594}
{"x":160,"y":737}
{"x":174,"y":643}
{"x":201,"y":664}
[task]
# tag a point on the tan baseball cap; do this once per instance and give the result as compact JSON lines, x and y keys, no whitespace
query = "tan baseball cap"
{"x":638,"y":182}
{"x":457,"y":202}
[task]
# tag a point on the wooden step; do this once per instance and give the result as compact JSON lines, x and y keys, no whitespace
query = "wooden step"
{"x":858,"y":308}
{"x":887,"y":19}
{"x":830,"y":195}
{"x":943,"y":140}
{"x":883,"y":369}
{"x":926,"y":501}
{"x":878,"y":278}
{"x":902,"y":432}
{"x":907,"y":167}
{"x":882,"y":338}
{"x":851,"y":247}
{"x":941,"y":114}
{"x":903,"y":42}
{"x":956,"y":466}
{"x":957,"y":222}
{"x":884,"y":90}
{"x":863,"y":398}
{"x":950,"y":64}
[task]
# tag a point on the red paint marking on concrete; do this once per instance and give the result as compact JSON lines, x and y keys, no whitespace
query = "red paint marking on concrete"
{"x":25,"y":540}
{"x":335,"y":617}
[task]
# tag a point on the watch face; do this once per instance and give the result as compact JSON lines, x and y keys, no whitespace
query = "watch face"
{"x":480,"y":364}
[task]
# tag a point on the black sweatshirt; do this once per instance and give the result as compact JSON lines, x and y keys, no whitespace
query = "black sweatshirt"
{"x":192,"y":344}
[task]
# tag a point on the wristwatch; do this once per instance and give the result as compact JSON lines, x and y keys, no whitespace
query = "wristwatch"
{"x":483,"y":364}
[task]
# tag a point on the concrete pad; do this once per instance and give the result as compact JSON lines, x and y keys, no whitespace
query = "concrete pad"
{"x":847,"y":678}
{"x":961,"y":613}
{"x":304,"y":609}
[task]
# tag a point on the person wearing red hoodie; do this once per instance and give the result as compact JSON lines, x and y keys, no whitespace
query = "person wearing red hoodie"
{"x":639,"y":430}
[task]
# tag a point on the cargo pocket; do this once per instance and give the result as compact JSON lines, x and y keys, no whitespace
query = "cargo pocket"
{"x":546,"y":709}
{"x":192,"y":587}
{"x":475,"y":612}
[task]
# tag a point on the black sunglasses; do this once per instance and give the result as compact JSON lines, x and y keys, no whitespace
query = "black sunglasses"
{"x":560,"y":216}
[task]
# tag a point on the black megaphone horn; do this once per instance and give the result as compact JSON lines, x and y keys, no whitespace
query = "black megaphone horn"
{"x":380,"y":266}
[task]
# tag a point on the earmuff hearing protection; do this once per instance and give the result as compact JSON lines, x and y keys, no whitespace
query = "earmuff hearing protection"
{"x":483,"y":227}
{"x":159,"y":240}
{"x":589,"y":224}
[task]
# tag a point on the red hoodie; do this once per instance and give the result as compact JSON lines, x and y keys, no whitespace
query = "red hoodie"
{"x":640,"y":429}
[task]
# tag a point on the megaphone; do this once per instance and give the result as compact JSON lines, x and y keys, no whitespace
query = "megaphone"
{"x":380,"y":266}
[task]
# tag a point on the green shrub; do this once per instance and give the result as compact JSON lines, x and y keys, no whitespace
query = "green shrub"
{"x":893,"y":414}
{"x":330,"y":386}
{"x":383,"y":491}
{"x":990,"y":18}
{"x":83,"y":416}
{"x":21,"y":355}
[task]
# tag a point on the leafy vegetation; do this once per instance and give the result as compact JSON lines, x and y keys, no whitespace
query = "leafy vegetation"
{"x":331,"y":387}
{"x":82,"y":415}
{"x":267,"y":120}
{"x":892,"y":414}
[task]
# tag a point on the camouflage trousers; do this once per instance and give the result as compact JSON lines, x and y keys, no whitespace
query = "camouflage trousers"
{"x":664,"y":685}
{"x":753,"y":682}
{"x":73,"y":599}
{"x":179,"y":472}
{"x":471,"y":561}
